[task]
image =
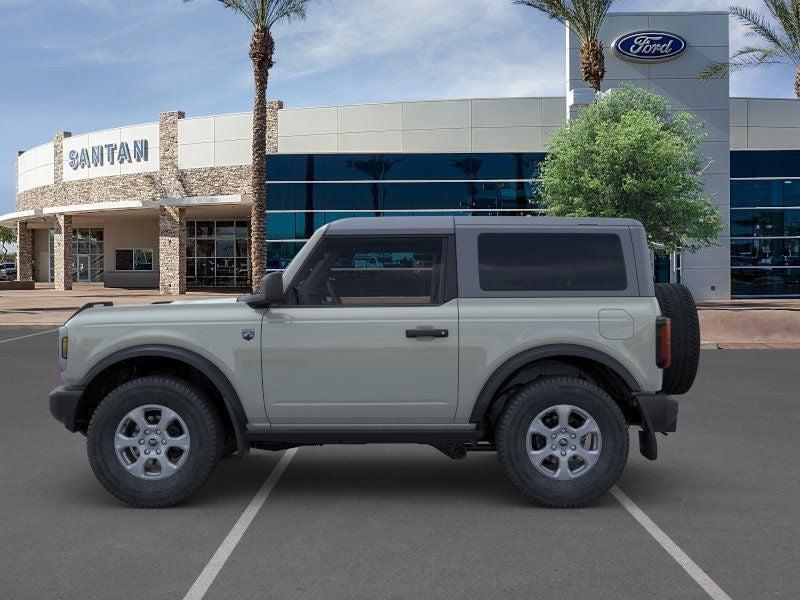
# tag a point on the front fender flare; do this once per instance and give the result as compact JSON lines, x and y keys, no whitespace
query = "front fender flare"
{"x":229,"y":396}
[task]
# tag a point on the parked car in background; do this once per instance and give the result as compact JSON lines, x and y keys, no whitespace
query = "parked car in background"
{"x":8,"y":271}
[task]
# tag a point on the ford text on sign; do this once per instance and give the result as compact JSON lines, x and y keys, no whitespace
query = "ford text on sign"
{"x":649,"y":46}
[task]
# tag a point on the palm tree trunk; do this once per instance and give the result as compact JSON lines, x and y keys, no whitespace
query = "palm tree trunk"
{"x":262,"y":48}
{"x":593,"y":66}
{"x":797,"y":84}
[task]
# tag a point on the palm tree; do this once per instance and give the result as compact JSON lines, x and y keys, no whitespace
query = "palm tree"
{"x":262,"y":15}
{"x":584,"y":19}
{"x":780,"y":42}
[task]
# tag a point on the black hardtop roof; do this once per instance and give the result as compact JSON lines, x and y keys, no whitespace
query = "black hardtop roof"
{"x":444,"y":225}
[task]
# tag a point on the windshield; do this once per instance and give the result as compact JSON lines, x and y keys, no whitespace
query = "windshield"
{"x":300,"y":257}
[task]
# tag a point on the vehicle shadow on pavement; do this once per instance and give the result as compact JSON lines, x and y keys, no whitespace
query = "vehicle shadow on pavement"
{"x":390,"y":473}
{"x":234,"y":482}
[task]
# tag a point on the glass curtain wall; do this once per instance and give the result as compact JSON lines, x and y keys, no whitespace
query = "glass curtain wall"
{"x":305,"y":191}
{"x":765,"y":223}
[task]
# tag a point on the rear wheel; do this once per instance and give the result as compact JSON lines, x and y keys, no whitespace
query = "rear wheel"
{"x":677,"y":303}
{"x":562,"y":441}
{"x":153,"y":441}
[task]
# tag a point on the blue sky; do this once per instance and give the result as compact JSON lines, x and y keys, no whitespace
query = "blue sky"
{"x":84,"y":65}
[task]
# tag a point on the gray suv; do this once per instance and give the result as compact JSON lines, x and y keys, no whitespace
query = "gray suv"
{"x":541,"y":339}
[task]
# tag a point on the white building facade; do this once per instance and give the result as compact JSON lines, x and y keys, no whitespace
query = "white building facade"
{"x":166,"y":205}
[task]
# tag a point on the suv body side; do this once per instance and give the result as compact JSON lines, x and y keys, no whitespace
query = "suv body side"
{"x":344,"y":365}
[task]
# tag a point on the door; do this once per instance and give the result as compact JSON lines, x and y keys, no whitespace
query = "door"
{"x":368,"y":335}
{"x":83,"y":268}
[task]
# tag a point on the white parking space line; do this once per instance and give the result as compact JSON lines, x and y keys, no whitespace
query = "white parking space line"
{"x":688,"y":565}
{"x":214,"y":566}
{"x":22,"y":337}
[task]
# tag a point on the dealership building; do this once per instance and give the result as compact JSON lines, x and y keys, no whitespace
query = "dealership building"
{"x":167,"y":204}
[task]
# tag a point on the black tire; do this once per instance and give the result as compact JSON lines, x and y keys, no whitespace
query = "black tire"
{"x":205,"y":433}
{"x":677,"y":303}
{"x":512,"y":428}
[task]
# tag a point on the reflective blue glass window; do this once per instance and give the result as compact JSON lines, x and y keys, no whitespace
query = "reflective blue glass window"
{"x":741,"y":194}
{"x":485,"y":195}
{"x":791,"y":222}
{"x":530,"y":164}
{"x":453,"y":195}
{"x":742,"y":164}
{"x":306,"y":223}
{"x":310,"y":167}
{"x":285,"y":196}
{"x":790,"y":166}
{"x":768,"y":163}
{"x":791,"y":192}
{"x":396,"y":196}
{"x":426,"y":166}
{"x":428,"y":196}
{"x":367,"y":196}
{"x":765,"y":282}
{"x":763,"y":253}
{"x":280,"y":226}
{"x":339,"y":196}
{"x":464,"y":166}
{"x":742,"y":223}
{"x":768,"y":193}
{"x":281,"y":167}
{"x":767,"y":223}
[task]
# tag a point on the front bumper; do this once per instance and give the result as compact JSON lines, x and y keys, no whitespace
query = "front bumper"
{"x":64,"y":401}
{"x":658,"y":414}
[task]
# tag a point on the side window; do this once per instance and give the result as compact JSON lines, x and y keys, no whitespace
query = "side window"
{"x":551,"y":262}
{"x":365,"y":271}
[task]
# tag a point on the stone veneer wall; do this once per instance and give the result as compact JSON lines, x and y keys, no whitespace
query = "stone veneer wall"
{"x":24,"y":252}
{"x":172,"y":250}
{"x":62,"y":251}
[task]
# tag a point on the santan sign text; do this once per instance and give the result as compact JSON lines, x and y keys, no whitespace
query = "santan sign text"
{"x":97,"y":156}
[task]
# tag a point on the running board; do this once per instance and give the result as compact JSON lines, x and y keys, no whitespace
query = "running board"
{"x":453,"y":443}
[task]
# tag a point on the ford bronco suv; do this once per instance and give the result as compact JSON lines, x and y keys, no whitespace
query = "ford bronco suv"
{"x":541,"y":339}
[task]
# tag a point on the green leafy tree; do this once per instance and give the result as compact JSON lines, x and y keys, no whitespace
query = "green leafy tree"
{"x":778,"y":40}
{"x":628,"y":156}
{"x":8,"y":236}
{"x":584,"y":18}
{"x":263,"y":15}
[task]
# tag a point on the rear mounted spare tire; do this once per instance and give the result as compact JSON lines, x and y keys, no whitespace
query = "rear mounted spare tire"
{"x":677,"y":303}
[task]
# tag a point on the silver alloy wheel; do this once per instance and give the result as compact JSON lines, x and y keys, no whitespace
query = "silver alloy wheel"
{"x":564,"y":442}
{"x":152,"y":442}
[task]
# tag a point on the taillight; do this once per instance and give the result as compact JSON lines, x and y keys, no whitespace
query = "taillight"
{"x":663,"y":342}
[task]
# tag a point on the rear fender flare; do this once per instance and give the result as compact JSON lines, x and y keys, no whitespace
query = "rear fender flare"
{"x":516,"y":362}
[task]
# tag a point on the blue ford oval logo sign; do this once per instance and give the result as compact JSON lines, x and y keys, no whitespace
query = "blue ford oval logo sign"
{"x":649,"y":46}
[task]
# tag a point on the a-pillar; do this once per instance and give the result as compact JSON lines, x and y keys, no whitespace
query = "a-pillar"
{"x":24,"y":252}
{"x":62,"y":253}
{"x":171,"y":250}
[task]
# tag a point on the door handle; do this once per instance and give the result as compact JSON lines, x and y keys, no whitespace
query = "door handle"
{"x":427,"y":333}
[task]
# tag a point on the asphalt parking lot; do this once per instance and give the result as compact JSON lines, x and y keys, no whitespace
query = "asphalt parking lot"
{"x":407,"y":522}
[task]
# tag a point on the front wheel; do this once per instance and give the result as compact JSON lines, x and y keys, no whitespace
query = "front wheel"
{"x":562,"y":441}
{"x":152,"y":442}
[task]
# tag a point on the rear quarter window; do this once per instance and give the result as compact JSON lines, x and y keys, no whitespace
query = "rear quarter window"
{"x":551,"y":262}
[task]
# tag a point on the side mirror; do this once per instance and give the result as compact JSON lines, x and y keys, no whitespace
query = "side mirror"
{"x":270,"y":291}
{"x":271,"y":288}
